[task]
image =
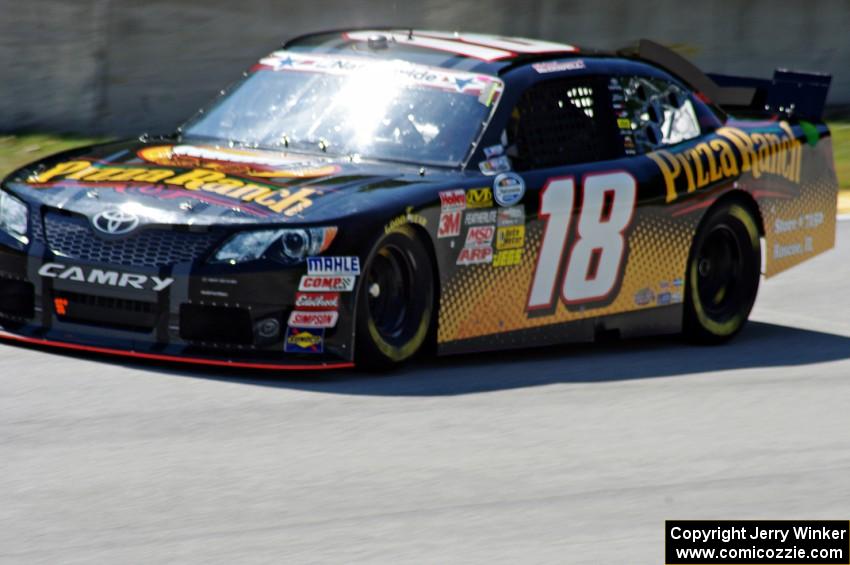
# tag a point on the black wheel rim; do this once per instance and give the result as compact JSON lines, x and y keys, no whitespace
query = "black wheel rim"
{"x":720,"y":266}
{"x":392,"y":294}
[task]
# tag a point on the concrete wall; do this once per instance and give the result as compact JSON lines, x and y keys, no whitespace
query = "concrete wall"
{"x":122,"y":66}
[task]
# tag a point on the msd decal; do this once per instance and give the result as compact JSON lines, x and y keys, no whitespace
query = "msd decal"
{"x":327,"y":283}
{"x":313,"y":319}
{"x":477,"y":236}
{"x":317,"y":300}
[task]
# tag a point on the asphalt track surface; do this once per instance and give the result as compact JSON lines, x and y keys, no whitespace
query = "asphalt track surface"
{"x":563,"y":455}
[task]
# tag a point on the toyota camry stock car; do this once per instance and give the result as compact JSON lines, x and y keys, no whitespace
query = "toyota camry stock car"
{"x":362,"y":195}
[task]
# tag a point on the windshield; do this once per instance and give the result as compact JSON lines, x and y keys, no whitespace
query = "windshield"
{"x":374,"y":109}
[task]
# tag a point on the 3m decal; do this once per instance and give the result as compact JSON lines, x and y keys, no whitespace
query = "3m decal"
{"x":475,"y":255}
{"x":304,"y":340}
{"x":317,"y":300}
{"x":276,"y":199}
{"x":480,"y":235}
{"x":452,"y":200}
{"x":327,"y":283}
{"x":510,"y":237}
{"x":734,"y":151}
{"x":333,"y":265}
{"x":479,"y":197}
{"x":313,"y":319}
{"x":596,"y":260}
{"x":449,"y":224}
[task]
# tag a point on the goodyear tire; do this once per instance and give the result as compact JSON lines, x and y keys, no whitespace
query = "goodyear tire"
{"x":395,"y":308}
{"x":723,"y":274}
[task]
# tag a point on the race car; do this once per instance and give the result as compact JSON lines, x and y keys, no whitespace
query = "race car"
{"x":361,"y":196}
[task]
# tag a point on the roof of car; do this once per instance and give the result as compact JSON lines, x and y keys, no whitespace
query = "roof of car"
{"x":455,"y":50}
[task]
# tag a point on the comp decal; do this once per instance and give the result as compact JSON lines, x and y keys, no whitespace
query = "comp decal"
{"x":274,"y":198}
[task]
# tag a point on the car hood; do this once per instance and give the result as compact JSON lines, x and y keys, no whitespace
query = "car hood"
{"x":193,"y":184}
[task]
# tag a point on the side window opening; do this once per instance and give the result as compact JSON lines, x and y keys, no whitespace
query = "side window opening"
{"x":562,"y":122}
{"x":653,"y":113}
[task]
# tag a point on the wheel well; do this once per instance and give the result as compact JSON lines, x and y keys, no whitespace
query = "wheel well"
{"x":746,"y":200}
{"x":423,"y":235}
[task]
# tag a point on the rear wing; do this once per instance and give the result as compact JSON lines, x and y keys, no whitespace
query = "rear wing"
{"x":790,"y":93}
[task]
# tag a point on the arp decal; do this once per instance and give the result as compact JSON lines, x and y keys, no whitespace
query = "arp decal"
{"x":475,"y":255}
{"x":732,"y":152}
{"x":276,"y":199}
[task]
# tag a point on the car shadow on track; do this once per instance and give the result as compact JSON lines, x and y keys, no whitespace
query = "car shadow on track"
{"x":760,"y":345}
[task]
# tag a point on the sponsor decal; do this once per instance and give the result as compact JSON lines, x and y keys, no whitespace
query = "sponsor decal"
{"x":304,"y":340}
{"x":558,"y":66}
{"x":624,"y":123}
{"x":477,"y":236}
{"x":274,"y":198}
{"x":329,"y":283}
{"x":475,"y":255}
{"x":481,"y":217}
{"x":333,"y":265}
{"x":449,"y":224}
{"x":507,"y":258}
{"x":493,"y":151}
{"x":452,"y":200}
{"x":663,"y":298}
{"x":782,"y":251}
{"x":644,"y":297}
{"x":805,"y":221}
{"x":479,"y":197}
{"x":508,"y":189}
{"x":513,"y":216}
{"x":317,"y":300}
{"x":104,"y":277}
{"x":495,"y":165}
{"x":313,"y":319}
{"x":510,"y":237}
{"x":409,"y":217}
{"x":675,"y":297}
{"x":241,"y":162}
{"x":664,"y":284}
{"x":734,"y":151}
{"x":678,"y":282}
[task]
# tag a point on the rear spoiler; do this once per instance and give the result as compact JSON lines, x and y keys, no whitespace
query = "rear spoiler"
{"x":790,"y":93}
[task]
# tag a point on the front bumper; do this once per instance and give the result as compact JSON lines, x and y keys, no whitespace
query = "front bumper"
{"x":214,"y":315}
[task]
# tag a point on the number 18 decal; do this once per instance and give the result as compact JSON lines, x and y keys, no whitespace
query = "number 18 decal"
{"x":595,"y":260}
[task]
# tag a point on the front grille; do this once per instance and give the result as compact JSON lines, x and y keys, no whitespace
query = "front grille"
{"x":72,"y":236}
{"x":17,"y":299}
{"x":216,"y":324}
{"x":105,"y":311}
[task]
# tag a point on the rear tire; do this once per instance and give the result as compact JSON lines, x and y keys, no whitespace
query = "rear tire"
{"x":723,"y":275}
{"x":395,"y":307}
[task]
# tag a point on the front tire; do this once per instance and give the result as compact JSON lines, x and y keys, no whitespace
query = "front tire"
{"x":723,"y":275}
{"x":395,"y":307}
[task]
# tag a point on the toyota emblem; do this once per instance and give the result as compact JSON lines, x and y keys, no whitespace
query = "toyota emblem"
{"x":115,"y":222}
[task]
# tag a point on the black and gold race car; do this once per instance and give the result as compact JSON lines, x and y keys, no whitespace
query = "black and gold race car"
{"x":362,"y":195}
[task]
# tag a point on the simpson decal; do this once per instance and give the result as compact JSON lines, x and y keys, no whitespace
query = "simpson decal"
{"x":313,"y":319}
